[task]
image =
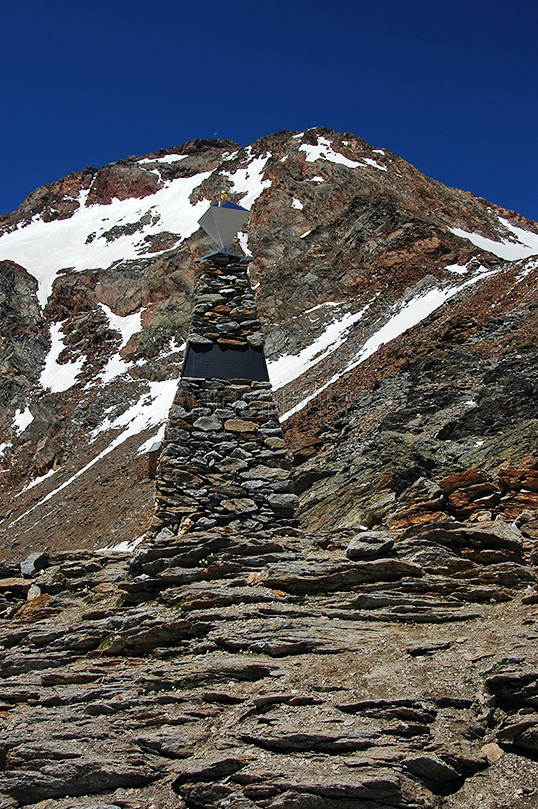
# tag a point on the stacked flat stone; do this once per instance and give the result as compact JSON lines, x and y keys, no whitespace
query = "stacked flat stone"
{"x":223,"y":460}
{"x":225,"y":308}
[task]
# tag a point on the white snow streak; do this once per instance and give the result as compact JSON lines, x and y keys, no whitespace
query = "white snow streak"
{"x":54,"y":376}
{"x":324,"y":151}
{"x":169,"y":158}
{"x":296,"y":203}
{"x":37,"y":481}
{"x":146,"y":446}
{"x":532,"y":265}
{"x":150,"y":410}
{"x":459,"y":269}
{"x":285,"y":369}
{"x":321,"y":305}
{"x":374,"y":164}
{"x":526,"y":237}
{"x":409,"y":315}
{"x":527,"y":244}
{"x":44,"y":248}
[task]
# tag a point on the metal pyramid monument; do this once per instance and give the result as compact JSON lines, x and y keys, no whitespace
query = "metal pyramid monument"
{"x":223,"y":220}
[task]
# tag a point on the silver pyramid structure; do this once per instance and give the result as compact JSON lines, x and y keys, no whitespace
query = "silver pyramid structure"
{"x":222,"y":221}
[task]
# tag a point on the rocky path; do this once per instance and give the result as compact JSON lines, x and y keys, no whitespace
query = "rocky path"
{"x":273,"y":670}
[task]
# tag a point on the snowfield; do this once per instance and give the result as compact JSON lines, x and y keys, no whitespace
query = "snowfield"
{"x":84,"y":241}
{"x":45,"y":248}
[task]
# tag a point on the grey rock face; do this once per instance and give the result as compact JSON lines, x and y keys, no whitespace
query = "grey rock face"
{"x":23,"y":346}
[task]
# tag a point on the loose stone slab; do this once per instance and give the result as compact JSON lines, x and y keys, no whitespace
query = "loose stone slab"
{"x":240,"y":426}
{"x":369,"y":545}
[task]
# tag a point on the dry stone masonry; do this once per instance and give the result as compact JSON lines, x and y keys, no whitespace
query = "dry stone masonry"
{"x":224,"y":460}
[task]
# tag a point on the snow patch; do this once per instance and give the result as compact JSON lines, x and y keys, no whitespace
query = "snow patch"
{"x":54,"y":376}
{"x":324,"y":151}
{"x":127,"y":325}
{"x":150,"y":411}
{"x":116,"y":366}
{"x":249,"y":181}
{"x":22,"y":419}
{"x":123,"y":547}
{"x":374,"y":164}
{"x":317,"y":179}
{"x":305,"y":234}
{"x":296,"y":203}
{"x":243,"y":241}
{"x":173,"y":347}
{"x":169,"y":158}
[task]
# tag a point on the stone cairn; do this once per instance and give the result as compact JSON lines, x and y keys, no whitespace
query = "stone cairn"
{"x":223,"y":460}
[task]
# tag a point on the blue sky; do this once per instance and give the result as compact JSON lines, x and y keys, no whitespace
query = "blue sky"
{"x":451,"y":87}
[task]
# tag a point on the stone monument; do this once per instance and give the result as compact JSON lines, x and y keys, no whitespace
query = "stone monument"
{"x":223,"y":460}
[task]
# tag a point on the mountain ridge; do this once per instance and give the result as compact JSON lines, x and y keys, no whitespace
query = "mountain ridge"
{"x":381,"y":653}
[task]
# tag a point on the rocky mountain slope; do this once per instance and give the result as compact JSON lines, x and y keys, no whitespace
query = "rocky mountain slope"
{"x":273,"y":669}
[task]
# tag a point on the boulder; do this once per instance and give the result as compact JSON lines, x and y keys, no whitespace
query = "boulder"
{"x":33,"y":564}
{"x":369,"y":545}
{"x":431,"y":768}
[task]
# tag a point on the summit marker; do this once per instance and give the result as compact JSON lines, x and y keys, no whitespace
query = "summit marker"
{"x":224,"y":461}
